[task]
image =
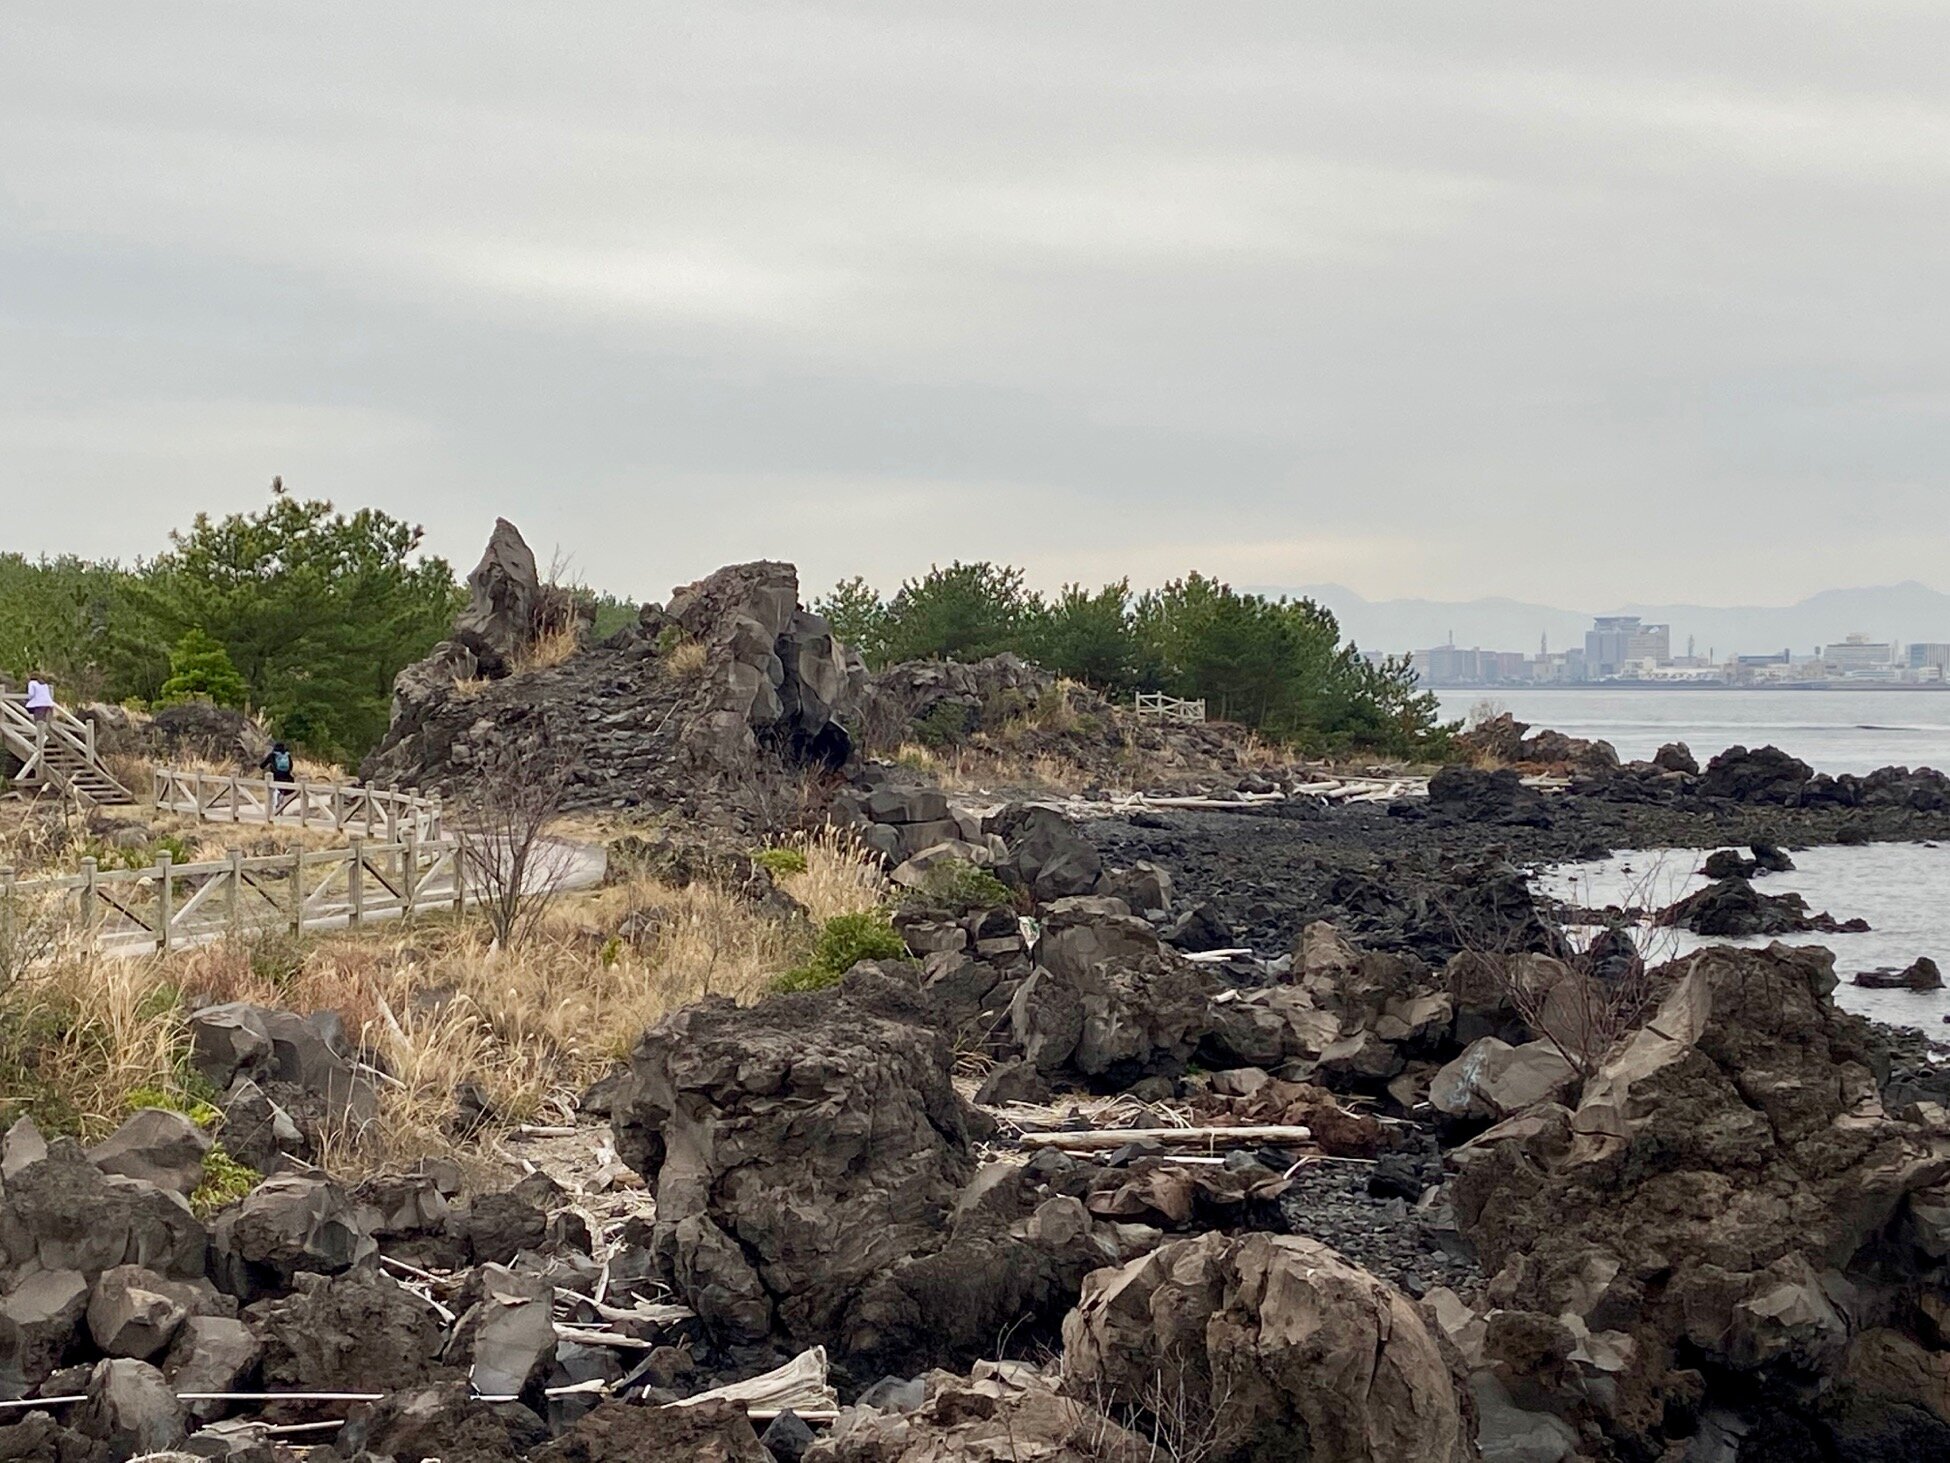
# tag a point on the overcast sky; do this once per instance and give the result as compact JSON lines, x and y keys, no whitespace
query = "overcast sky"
{"x":1573,"y":303}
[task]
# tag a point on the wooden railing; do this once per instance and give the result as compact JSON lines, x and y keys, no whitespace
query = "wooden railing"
{"x":375,"y":812}
{"x":1169,"y":708}
{"x":167,"y":905}
{"x":58,"y":752}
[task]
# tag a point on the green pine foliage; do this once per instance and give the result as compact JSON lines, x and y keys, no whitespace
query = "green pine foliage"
{"x":298,"y":611}
{"x":200,"y":670}
{"x":1276,"y":665}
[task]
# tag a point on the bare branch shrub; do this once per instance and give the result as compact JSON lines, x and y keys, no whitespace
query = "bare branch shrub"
{"x":512,"y":866}
{"x":1597,"y":988}
{"x":1179,"y":1413}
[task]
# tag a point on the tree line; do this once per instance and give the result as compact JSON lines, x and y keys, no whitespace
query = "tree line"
{"x":1278,"y":665}
{"x":299,"y":612}
{"x":304,"y":614}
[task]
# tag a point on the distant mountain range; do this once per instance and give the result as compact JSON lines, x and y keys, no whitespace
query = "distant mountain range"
{"x":1900,"y":612}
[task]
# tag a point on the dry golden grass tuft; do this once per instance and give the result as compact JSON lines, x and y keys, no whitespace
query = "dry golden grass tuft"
{"x":841,"y":875}
{"x":434,"y":1000}
{"x":550,"y":648}
{"x":686,"y":659}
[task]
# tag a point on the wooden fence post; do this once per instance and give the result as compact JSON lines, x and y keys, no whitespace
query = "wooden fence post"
{"x":236,"y":890}
{"x":460,"y":877}
{"x":90,"y":904}
{"x":338,"y":805}
{"x":236,"y":814}
{"x":298,"y":891}
{"x":355,"y":881}
{"x":409,"y":872}
{"x":165,"y":902}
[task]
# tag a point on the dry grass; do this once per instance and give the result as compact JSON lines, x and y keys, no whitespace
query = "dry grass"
{"x":984,"y":767}
{"x":466,"y":688}
{"x":686,"y":659}
{"x":434,"y":1001}
{"x":841,"y":876}
{"x":549,"y":648}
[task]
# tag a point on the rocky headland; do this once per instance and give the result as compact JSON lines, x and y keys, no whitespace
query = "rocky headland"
{"x":1273,"y":1127}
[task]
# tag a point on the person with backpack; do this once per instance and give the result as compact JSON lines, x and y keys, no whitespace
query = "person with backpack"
{"x":283,"y":769}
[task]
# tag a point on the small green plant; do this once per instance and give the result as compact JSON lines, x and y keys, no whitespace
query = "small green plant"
{"x":782,"y":860}
{"x":959,"y":885}
{"x":669,"y":638}
{"x":203,"y":1114}
{"x":278,"y":957}
{"x":844,"y":941}
{"x":611,"y":952}
{"x":945,"y":724}
{"x":225,"y":1181}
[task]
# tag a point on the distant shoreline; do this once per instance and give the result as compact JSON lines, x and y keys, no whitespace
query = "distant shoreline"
{"x":1813,"y":689}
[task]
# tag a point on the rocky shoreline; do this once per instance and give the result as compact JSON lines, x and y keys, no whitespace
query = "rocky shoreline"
{"x":1282,"y":1130}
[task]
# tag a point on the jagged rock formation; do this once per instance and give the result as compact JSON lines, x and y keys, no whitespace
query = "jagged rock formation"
{"x":709,"y":706}
{"x":1729,"y":1221}
{"x":816,"y":1181}
{"x":1276,"y":1347}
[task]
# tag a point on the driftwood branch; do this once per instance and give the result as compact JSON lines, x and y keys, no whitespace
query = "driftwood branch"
{"x":1173,"y":1137}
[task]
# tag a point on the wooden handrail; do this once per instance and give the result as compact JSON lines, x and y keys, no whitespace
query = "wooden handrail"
{"x":190,"y":903}
{"x":229,"y":797}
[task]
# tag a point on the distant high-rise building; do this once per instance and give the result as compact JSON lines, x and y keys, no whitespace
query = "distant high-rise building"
{"x":1930,"y":654}
{"x":1616,"y":641}
{"x":1858,"y":655}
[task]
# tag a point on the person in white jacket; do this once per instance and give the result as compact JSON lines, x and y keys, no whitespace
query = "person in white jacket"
{"x":40,"y":700}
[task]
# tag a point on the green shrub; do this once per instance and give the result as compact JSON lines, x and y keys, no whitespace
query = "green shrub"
{"x":959,"y":885}
{"x":225,"y":1181}
{"x":782,"y":860}
{"x":945,"y":724}
{"x":844,"y":941}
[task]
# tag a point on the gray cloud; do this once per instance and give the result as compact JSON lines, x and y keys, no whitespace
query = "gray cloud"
{"x":1536,"y":300}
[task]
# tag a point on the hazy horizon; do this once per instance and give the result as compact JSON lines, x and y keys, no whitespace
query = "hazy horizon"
{"x":1565,"y":306}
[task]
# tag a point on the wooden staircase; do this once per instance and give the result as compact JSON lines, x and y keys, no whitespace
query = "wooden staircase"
{"x":58,"y":755}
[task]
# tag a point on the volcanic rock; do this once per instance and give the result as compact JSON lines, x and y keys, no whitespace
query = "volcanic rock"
{"x":1923,"y":975}
{"x":799,"y":1148}
{"x":625,"y":1432}
{"x":344,"y":1332}
{"x":1727,"y":1172}
{"x":1003,"y":1410}
{"x":1764,"y":775}
{"x":157,"y":1146}
{"x":284,"y":1227}
{"x":131,"y":1409}
{"x":1046,"y":855}
{"x":211,"y":1354}
{"x":1493,"y":1080}
{"x":63,"y":1213}
{"x":443,"y":1421}
{"x":1283,"y":1339}
{"x":39,"y":1316}
{"x":1733,"y":908}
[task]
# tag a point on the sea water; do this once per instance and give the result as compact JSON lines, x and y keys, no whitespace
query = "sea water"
{"x":1833,"y":731}
{"x":1899,"y":888}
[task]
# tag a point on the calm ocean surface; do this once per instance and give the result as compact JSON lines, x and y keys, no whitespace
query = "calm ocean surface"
{"x":1832,"y":731}
{"x":1897,"y":887}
